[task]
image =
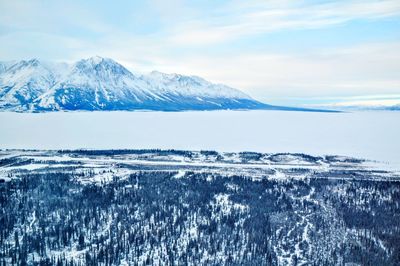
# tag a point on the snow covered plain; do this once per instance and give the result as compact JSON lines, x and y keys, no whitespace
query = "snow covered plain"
{"x":370,"y":135}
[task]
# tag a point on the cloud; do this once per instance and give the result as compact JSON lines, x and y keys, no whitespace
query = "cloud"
{"x":256,"y":17}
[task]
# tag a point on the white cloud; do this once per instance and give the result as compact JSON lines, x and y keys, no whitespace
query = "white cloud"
{"x":238,"y":20}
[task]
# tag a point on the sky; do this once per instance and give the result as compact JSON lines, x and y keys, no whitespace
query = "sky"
{"x":280,"y":52}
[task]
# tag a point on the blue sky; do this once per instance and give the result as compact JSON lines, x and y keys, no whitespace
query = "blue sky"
{"x":282,"y":52}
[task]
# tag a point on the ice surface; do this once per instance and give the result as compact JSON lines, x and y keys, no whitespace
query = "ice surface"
{"x":370,"y":135}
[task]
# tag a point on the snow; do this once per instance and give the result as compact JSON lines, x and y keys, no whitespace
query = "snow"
{"x":28,"y":167}
{"x":370,"y":135}
{"x":169,"y":161}
{"x":278,"y":176}
{"x":226,"y":205}
{"x":180,"y":174}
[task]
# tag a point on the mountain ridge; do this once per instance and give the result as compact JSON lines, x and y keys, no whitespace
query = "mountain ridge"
{"x":102,"y":84}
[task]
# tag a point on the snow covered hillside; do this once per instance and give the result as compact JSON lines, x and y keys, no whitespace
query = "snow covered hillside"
{"x":176,"y":207}
{"x":102,"y":84}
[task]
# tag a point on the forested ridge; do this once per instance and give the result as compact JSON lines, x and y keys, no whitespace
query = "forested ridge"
{"x":170,"y":217}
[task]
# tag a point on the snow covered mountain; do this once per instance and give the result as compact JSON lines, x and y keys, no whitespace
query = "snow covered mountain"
{"x":23,"y":82}
{"x":102,"y":84}
{"x":391,"y":104}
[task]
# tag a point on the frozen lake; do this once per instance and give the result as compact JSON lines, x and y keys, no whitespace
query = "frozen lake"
{"x":371,"y":135}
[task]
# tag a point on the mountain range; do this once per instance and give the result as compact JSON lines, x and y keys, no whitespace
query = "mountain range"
{"x":364,"y":105}
{"x":100,"y":83}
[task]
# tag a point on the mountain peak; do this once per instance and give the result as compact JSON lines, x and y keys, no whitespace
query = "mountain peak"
{"x":175,"y":76}
{"x":101,"y":65}
{"x":33,"y":62}
{"x":97,"y":60}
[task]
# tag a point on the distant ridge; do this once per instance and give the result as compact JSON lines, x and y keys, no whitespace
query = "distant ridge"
{"x":101,"y":84}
